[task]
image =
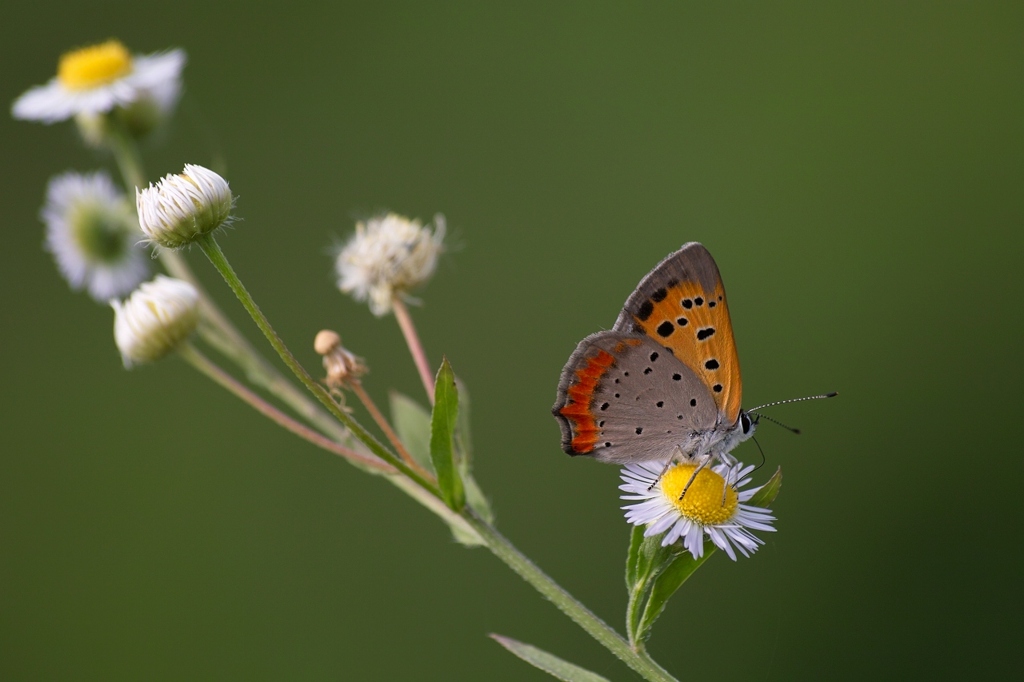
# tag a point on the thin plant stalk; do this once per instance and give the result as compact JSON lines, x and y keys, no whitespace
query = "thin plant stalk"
{"x":213,"y":251}
{"x":396,"y":442}
{"x":195,"y":358}
{"x":219,"y":332}
{"x":412,"y":339}
{"x":639,"y":661}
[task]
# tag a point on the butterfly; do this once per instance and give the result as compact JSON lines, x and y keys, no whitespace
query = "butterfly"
{"x":664,"y":382}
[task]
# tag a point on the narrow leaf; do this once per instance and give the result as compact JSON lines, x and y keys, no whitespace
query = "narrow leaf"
{"x":463,"y":443}
{"x":476,"y":499}
{"x":665,"y":585}
{"x":412,"y":424}
{"x":549,"y":663}
{"x":442,"y":433}
{"x":769,"y":491}
{"x":636,"y":538}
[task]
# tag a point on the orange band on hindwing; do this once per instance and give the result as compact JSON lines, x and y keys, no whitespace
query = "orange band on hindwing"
{"x":577,"y":409}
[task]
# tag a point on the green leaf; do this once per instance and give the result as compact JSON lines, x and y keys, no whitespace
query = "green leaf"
{"x":463,"y":443}
{"x":549,"y":663}
{"x":412,"y":424}
{"x":442,"y":433}
{"x":768,"y":492}
{"x":476,"y":499}
{"x":636,"y":538}
{"x":644,"y":561}
{"x":670,"y":579}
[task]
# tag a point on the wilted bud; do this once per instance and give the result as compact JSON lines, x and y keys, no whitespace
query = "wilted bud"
{"x":155,"y":319}
{"x":341,"y":365}
{"x":181,"y":208}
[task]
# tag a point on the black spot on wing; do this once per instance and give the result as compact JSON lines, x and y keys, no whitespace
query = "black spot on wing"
{"x":717,"y":388}
{"x":682,"y":322}
{"x":659,"y":295}
{"x":711,"y":364}
{"x":705,"y":333}
{"x":645,"y":310}
{"x":654,"y":356}
{"x":693,"y":402}
{"x":666,"y":328}
{"x":687,"y":303}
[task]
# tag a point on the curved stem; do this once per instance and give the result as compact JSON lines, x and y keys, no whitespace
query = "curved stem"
{"x":212,"y":250}
{"x":211,"y":370}
{"x":220,"y":332}
{"x":412,"y":339}
{"x":580,"y":614}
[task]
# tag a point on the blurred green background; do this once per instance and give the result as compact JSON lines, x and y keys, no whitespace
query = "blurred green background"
{"x":856,"y":170}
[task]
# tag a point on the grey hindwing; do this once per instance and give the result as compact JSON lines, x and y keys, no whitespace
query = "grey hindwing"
{"x":647,"y":404}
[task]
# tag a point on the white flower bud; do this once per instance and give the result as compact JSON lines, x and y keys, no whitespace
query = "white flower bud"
{"x":155,"y":319}
{"x":387,"y":257}
{"x":181,"y":208}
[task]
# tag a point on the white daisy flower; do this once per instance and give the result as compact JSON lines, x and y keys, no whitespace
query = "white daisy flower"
{"x":93,"y":235}
{"x":388,"y":256}
{"x":96,"y":79}
{"x":155,"y":319}
{"x":702,"y":510}
{"x":180,"y":208}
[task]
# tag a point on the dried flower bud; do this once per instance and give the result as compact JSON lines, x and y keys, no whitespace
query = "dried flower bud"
{"x":388,"y":256}
{"x":341,"y":365}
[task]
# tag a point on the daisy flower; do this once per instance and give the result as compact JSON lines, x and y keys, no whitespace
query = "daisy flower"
{"x":96,"y":79}
{"x":702,"y":510}
{"x":157,"y":318}
{"x":386,"y":257}
{"x":93,"y":235}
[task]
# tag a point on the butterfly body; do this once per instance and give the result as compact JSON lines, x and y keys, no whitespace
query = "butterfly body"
{"x":664,"y":382}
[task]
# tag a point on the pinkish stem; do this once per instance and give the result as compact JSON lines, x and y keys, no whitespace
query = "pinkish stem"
{"x":415,"y":347}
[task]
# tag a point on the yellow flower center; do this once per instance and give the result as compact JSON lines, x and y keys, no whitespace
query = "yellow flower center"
{"x":703,"y":501}
{"x":93,"y":66}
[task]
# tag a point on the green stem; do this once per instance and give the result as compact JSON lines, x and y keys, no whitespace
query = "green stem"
{"x":212,"y":250}
{"x":580,"y":614}
{"x":220,"y":333}
{"x":126,"y":155}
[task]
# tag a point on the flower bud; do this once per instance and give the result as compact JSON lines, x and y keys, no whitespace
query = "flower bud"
{"x":181,"y":208}
{"x":155,"y":319}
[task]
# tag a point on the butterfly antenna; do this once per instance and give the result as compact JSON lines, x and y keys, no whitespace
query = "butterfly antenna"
{"x":833,"y":394}
{"x":777,"y":422}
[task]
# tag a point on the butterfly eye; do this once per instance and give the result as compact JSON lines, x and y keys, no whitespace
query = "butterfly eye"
{"x":745,"y":422}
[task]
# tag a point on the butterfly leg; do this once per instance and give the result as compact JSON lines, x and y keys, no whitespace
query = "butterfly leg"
{"x":707,"y":459}
{"x":668,"y":463}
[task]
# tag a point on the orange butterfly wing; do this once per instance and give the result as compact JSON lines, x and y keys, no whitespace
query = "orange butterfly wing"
{"x":681,"y":305}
